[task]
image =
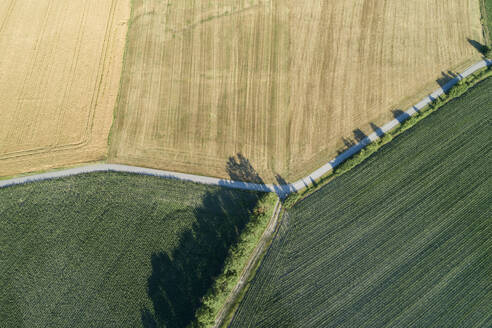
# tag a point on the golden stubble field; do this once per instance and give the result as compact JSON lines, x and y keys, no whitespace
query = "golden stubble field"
{"x":281,"y":82}
{"x":284,"y":83}
{"x":60,"y":66}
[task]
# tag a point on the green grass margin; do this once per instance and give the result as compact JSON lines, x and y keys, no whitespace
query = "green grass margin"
{"x":254,"y":270}
{"x":486,"y":19}
{"x":456,"y":91}
{"x":236,"y":260}
{"x":123,"y":62}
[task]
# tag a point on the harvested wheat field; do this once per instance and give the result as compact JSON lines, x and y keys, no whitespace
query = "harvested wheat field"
{"x":60,"y":67}
{"x":281,"y":82}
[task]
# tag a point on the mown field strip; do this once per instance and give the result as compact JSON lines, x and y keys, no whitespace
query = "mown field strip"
{"x":402,"y":240}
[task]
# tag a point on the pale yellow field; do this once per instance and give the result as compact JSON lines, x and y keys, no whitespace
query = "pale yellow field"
{"x":281,"y":82}
{"x":60,"y":66}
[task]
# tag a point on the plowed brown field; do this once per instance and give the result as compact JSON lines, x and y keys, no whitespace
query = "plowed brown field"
{"x":60,"y":67}
{"x":281,"y":82}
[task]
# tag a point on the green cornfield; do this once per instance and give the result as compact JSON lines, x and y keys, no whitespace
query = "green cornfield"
{"x":402,"y":240}
{"x":113,"y":250}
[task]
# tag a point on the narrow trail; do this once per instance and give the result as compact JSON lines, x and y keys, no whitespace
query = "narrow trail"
{"x":281,"y":190}
{"x":249,"y":267}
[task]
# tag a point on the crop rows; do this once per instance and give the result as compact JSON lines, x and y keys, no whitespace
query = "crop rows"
{"x":60,"y":66}
{"x":281,"y":82}
{"x":402,"y":240}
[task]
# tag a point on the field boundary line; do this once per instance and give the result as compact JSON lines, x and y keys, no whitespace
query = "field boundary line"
{"x":281,"y":190}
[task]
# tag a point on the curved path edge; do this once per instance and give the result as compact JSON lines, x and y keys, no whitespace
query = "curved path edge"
{"x":281,"y":190}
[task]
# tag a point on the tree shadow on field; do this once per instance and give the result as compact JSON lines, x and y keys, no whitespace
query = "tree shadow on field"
{"x":358,"y":136}
{"x":445,"y":80}
{"x":181,"y":277}
{"x":353,"y":147}
{"x":377,"y":129}
{"x":239,"y":168}
{"x":481,"y":48}
{"x":282,"y":187}
{"x":400,"y":115}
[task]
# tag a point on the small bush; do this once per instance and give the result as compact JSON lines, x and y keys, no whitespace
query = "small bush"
{"x":487,"y":52}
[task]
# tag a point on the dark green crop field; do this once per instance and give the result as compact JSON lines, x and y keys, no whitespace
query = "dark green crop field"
{"x":403,"y":240}
{"x":113,"y":250}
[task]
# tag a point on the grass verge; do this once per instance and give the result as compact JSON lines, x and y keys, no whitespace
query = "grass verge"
{"x":486,"y":11}
{"x":252,"y":272}
{"x":235,"y":263}
{"x":123,"y":61}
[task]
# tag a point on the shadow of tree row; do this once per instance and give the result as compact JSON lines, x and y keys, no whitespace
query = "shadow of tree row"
{"x":443,"y":81}
{"x":358,"y":136}
{"x":179,"y":280}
